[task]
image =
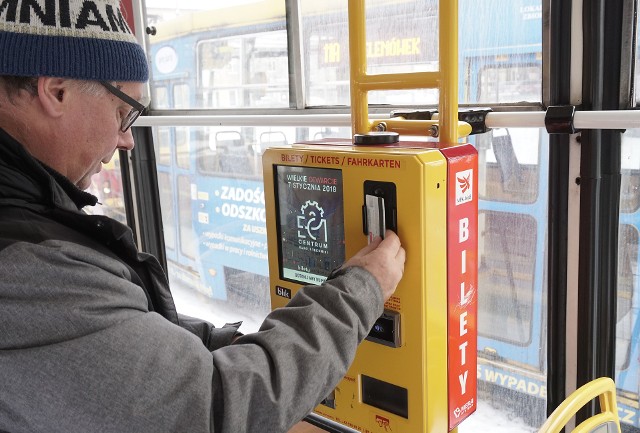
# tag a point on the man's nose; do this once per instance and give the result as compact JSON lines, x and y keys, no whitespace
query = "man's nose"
{"x":125,"y":141}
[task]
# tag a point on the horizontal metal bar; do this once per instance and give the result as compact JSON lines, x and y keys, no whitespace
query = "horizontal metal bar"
{"x":247,"y":120}
{"x":618,"y":119}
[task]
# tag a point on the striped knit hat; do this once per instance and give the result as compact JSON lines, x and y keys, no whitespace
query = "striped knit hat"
{"x":80,"y":39}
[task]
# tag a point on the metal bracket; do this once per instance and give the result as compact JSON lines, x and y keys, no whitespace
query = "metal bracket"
{"x":476,"y":117}
{"x":559,"y":119}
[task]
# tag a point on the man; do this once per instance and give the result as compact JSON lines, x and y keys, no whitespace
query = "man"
{"x":90,"y":340}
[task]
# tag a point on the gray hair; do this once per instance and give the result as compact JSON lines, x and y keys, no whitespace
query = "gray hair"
{"x":13,"y":85}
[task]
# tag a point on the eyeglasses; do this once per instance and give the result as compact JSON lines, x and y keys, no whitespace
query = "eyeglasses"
{"x":136,"y":110}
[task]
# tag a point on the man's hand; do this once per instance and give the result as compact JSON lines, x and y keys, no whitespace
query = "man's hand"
{"x":384,"y":259}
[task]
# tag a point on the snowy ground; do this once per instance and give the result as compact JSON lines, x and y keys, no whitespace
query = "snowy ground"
{"x":489,"y":419}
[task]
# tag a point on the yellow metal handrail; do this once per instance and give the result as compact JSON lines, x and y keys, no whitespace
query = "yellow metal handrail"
{"x":446,"y":80}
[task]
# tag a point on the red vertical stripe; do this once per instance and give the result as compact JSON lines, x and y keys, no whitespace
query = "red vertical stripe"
{"x":462,"y":280}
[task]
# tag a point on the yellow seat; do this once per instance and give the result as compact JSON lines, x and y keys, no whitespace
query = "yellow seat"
{"x":606,"y":421}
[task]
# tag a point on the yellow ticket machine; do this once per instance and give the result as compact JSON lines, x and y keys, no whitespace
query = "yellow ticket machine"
{"x":416,"y":371}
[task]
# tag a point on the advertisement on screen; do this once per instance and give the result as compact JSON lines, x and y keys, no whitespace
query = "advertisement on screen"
{"x":310,"y":222}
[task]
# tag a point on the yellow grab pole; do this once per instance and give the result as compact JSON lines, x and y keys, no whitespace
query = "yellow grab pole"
{"x":358,"y":67}
{"x":448,"y":52}
{"x":407,"y":80}
{"x":446,"y":79}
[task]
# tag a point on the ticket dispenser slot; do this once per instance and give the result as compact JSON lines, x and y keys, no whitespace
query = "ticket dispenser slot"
{"x":385,"y":396}
{"x":379,"y":211}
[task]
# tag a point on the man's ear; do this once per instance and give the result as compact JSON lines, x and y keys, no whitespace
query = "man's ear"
{"x":52,"y":93}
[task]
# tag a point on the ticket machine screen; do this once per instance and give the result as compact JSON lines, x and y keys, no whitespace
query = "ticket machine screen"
{"x":310,"y":222}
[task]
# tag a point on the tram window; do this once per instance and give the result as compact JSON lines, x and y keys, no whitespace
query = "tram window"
{"x":227,"y":152}
{"x":630,"y":166}
{"x":328,"y":132}
{"x":267,"y":79}
{"x":233,"y":154}
{"x":188,"y":241}
{"x":512,"y":295}
{"x":183,"y":147}
{"x":206,"y":153}
{"x":219,"y":270}
{"x":181,"y":95}
{"x":246,"y":71}
{"x":168,"y":212}
{"x":627,"y":280}
{"x":506,"y":275}
{"x":232,"y":55}
{"x":627,"y":352}
{"x":219,"y":68}
{"x":636,"y":83}
{"x":162,"y":145}
{"x":325,"y":42}
{"x":510,"y":83}
{"x":402,"y":36}
{"x":510,"y":165}
{"x":161,"y":98}
{"x":502,"y":59}
{"x":272,"y":138}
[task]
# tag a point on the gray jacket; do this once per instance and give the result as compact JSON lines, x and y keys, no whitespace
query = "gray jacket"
{"x":90,"y":340}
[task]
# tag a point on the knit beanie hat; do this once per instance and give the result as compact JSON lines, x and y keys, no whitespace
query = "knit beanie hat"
{"x":79,"y":39}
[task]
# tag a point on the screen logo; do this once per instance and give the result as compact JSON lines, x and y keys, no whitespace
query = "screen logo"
{"x":283,"y":292}
{"x":464,"y":186}
{"x":312,"y":226}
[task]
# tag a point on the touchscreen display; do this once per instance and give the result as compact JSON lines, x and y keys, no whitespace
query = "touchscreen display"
{"x":310,"y":222}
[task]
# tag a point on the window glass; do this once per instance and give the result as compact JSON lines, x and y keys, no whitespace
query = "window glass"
{"x":401,"y":37}
{"x":630,"y":168}
{"x":510,"y":82}
{"x":220,"y":270}
{"x":499,"y":61}
{"x":244,"y":71}
{"x":219,"y":66}
{"x":213,"y":55}
{"x":181,"y":95}
{"x":510,"y":157}
{"x":628,"y":305}
{"x":183,"y":147}
{"x":637,"y":62}
{"x":188,"y":241}
{"x":162,"y":145}
{"x":506,"y":275}
{"x":512,"y":295}
{"x":160,"y":99}
{"x":167,"y":204}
